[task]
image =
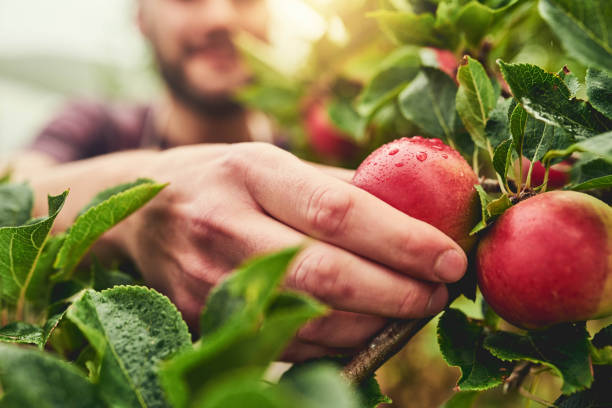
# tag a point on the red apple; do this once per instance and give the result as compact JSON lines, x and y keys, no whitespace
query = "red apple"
{"x":324,"y":137}
{"x":425,"y":179}
{"x":548,"y":260}
{"x":447,"y":61}
{"x":558,"y":175}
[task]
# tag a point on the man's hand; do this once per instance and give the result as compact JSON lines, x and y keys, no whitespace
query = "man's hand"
{"x":227,"y":203}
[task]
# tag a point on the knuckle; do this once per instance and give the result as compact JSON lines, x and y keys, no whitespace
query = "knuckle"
{"x":328,"y":211}
{"x":317,"y":274}
{"x":414,"y":302}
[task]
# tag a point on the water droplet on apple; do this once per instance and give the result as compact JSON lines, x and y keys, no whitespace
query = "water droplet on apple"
{"x":393,"y":152}
{"x":445,"y":156}
{"x":399,"y":164}
{"x":421,"y":156}
{"x":437,"y":147}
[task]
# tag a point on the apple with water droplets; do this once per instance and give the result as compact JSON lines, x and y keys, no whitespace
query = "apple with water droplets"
{"x":548,"y":260}
{"x":427,"y":180}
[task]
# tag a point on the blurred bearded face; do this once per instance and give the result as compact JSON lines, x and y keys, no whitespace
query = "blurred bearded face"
{"x":194,"y":49}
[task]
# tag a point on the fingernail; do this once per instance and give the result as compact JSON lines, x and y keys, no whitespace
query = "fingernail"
{"x":437,"y":301}
{"x":450,"y":265}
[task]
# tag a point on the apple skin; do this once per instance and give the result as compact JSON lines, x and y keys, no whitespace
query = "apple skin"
{"x":427,"y":180}
{"x":447,"y":61}
{"x":548,"y":260}
{"x":325,"y":138}
{"x":558,"y":175}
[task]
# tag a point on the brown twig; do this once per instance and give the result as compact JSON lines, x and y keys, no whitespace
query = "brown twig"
{"x":384,"y":346}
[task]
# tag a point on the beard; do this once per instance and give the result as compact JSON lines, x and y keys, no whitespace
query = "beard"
{"x":203,"y":103}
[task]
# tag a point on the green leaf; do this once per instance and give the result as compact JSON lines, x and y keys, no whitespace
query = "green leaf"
{"x":90,"y":225}
{"x":547,"y":97}
{"x":105,"y":278}
{"x":109,"y":192}
{"x":236,"y":346}
{"x":345,"y":117}
{"x":461,"y":344}
{"x":518,"y":121}
{"x":405,"y":27}
{"x":497,"y":129}
{"x":395,"y":72}
{"x":476,"y":99}
{"x":499,"y":206}
{"x":598,"y":396}
{"x":36,"y":379}
{"x":583,"y":27}
{"x":476,"y":19}
{"x":244,"y":389}
{"x":132,"y":329}
{"x":540,"y":137}
{"x":502,"y":158}
{"x":16,"y":201}
{"x":596,"y":183}
{"x":603,"y":338}
{"x":463,"y":399}
{"x":572,"y":82}
{"x":564,"y":348}
{"x":599,"y":90}
{"x":20,"y":249}
{"x":320,"y":385}
{"x":20,"y":332}
{"x":371,"y":394}
{"x":484,"y":202}
{"x":600,"y":145}
{"x":40,"y":285}
{"x":429,"y":102}
{"x":246,"y":293}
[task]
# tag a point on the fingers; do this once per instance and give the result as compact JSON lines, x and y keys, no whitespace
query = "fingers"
{"x":335,"y":276}
{"x":331,"y":210}
{"x":348,"y":282}
{"x":341,"y":329}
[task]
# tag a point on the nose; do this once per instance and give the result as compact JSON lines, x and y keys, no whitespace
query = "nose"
{"x":218,"y":14}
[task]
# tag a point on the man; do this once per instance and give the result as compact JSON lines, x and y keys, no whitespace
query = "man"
{"x":228,"y":202}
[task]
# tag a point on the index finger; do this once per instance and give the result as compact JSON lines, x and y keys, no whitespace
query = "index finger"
{"x":331,"y":210}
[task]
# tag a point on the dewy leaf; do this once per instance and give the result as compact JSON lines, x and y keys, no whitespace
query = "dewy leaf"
{"x":600,"y":146}
{"x":598,"y":396}
{"x":429,"y":102}
{"x":370,"y":393}
{"x":132,"y":329}
{"x":583,"y":27}
{"x":237,"y":347}
{"x":564,"y":348}
{"x":246,"y":293}
{"x":546,"y":96}
{"x":16,"y":201}
{"x":476,"y":99}
{"x":395,"y":72}
{"x":599,"y":90}
{"x":36,"y":379}
{"x":540,"y":137}
{"x":20,"y":332}
{"x":90,"y":225}
{"x":461,"y":345}
{"x":20,"y":249}
{"x":502,"y":158}
{"x":596,"y":183}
